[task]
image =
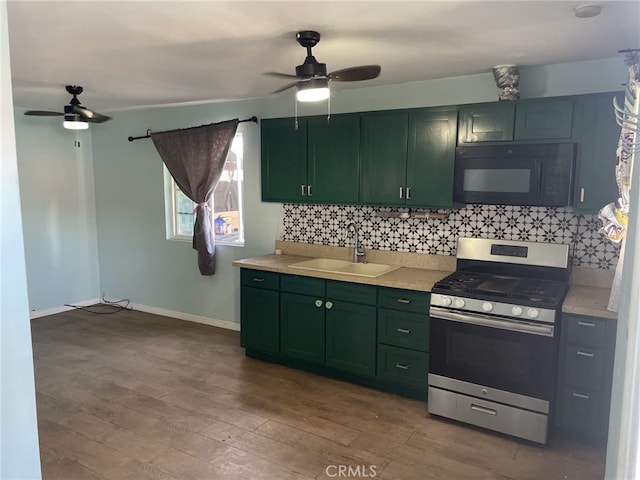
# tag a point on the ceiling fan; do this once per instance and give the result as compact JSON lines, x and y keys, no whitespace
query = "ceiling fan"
{"x":312,"y":79}
{"x":76,"y":117}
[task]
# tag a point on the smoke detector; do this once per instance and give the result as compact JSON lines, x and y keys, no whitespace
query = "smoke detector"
{"x":587,"y":10}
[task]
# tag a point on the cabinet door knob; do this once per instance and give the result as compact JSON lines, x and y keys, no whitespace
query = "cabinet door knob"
{"x":328,"y":305}
{"x":318,"y":303}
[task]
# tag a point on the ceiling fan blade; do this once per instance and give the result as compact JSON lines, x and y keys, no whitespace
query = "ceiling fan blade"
{"x":355,"y":74}
{"x":280,"y":75}
{"x":42,"y":113}
{"x":89,"y":115}
{"x":286,"y":87}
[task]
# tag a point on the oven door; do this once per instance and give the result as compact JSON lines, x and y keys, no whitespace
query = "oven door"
{"x":496,"y":352}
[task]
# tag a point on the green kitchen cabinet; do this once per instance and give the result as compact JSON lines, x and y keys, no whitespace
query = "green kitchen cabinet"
{"x":548,"y":119}
{"x":302,"y":305}
{"x":317,"y":163}
{"x":486,"y":122}
{"x":544,"y":118}
{"x":351,"y":328}
{"x":408,"y":158}
{"x":384,"y":157}
{"x":284,"y":160}
{"x":430,"y":158}
{"x":260,"y":311}
{"x":596,"y":159}
{"x":587,"y":346}
{"x":403,"y":338}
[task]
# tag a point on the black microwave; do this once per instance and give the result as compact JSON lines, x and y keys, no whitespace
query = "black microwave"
{"x":531,"y":174}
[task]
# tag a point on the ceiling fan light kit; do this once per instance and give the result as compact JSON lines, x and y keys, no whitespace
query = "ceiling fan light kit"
{"x":314,"y":90}
{"x":71,"y":122}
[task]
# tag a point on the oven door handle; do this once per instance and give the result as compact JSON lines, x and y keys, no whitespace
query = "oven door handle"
{"x":482,"y":320}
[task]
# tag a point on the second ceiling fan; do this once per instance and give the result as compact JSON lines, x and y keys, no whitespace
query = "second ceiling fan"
{"x":312,"y":79}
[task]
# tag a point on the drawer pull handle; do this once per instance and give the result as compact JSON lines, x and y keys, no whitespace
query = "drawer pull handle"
{"x":401,"y":192}
{"x":403,"y":330}
{"x":586,"y":324}
{"x":488,"y":411}
{"x":404,"y":300}
{"x":402,"y":366}
{"x":584,"y":354}
{"x":581,"y":395}
{"x":259,"y":280}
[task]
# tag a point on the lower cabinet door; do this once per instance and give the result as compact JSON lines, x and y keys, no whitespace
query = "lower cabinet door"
{"x":403,"y":367}
{"x":302,"y":327}
{"x":260,"y":319}
{"x":351,"y":337}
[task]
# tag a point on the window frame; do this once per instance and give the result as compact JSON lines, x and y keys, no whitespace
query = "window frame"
{"x":171,"y":190}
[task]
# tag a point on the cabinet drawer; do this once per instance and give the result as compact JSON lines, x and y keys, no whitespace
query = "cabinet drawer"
{"x":586,"y":331}
{"x":351,"y":292}
{"x":580,"y":412}
{"x":403,"y":329}
{"x":406,"y":300}
{"x":584,"y":367}
{"x":302,"y":285}
{"x":404,"y":367}
{"x":260,"y":279}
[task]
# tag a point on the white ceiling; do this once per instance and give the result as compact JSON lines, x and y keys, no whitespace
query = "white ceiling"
{"x":129,"y":54}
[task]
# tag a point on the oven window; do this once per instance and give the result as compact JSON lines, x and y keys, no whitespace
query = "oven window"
{"x":499,"y":180}
{"x":511,"y":361}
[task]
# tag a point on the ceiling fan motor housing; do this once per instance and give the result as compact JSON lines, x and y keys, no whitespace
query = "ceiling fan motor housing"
{"x":311,"y":68}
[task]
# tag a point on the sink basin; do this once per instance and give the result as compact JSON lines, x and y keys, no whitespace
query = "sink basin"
{"x":345,"y":266}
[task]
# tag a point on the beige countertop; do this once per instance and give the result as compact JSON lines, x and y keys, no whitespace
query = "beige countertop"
{"x":407,"y":278}
{"x":588,"y":294}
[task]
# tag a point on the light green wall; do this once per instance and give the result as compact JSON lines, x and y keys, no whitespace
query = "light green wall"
{"x":58,"y":204}
{"x":137,"y":262}
{"x":19,"y":451}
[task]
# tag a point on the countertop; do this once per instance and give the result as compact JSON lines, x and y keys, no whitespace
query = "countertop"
{"x":588,"y":293}
{"x":407,"y":278}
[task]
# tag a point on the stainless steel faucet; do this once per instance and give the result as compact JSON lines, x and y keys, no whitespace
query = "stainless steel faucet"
{"x":358,"y":251}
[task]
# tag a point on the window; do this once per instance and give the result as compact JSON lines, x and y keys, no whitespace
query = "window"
{"x":226,"y":203}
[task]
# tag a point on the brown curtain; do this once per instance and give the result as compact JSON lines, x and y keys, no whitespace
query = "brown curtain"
{"x":195,"y":158}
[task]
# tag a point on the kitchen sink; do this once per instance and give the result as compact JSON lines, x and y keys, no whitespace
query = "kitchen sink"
{"x":344,"y":266}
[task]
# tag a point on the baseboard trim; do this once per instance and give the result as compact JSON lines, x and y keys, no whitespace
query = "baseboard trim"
{"x":214,"y":322}
{"x":63,"y":308}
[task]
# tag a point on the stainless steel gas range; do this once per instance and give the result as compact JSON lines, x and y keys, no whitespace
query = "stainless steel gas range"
{"x":494,"y":326}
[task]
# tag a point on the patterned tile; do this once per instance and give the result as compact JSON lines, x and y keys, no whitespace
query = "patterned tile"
{"x":327,"y":224}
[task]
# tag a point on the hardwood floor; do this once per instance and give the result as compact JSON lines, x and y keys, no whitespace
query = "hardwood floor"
{"x":136,"y":396}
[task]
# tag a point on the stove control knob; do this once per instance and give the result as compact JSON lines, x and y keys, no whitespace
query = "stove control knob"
{"x":487,"y":306}
{"x":459,"y":303}
{"x":533,"y":313}
{"x":444,"y":301}
{"x":516,"y":310}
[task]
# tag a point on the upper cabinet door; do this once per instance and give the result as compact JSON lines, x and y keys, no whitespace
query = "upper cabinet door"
{"x":333,"y":153}
{"x":384,"y":158}
{"x":596,"y":181}
{"x":486,"y":123}
{"x":544,"y":119}
{"x":284,"y":160}
{"x":432,"y":144}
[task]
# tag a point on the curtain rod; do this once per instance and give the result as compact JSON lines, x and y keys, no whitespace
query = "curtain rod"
{"x":253,"y":119}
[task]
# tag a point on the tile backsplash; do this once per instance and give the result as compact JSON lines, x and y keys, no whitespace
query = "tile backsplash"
{"x":326,"y":225}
